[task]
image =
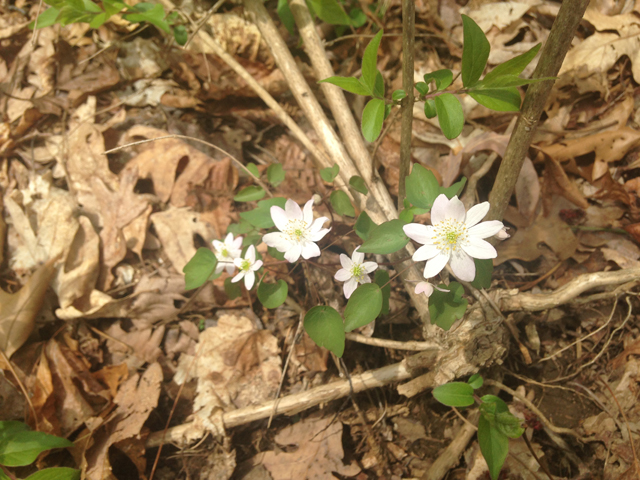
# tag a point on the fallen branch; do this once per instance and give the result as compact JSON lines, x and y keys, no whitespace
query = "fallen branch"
{"x":294,"y":403}
{"x":565,"y":294}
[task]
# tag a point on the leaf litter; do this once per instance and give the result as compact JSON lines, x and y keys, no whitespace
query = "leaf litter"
{"x":104,"y":349}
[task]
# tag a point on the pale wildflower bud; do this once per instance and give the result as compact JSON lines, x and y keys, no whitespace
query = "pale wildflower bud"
{"x":317,"y":199}
{"x":502,"y":234}
{"x":427,"y":288}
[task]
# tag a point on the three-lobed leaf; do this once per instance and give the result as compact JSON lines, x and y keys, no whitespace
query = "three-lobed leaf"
{"x":454,"y":394}
{"x":341,"y":203}
{"x":386,"y":238}
{"x":272,"y":295}
{"x":357,"y":183}
{"x":329,"y":174}
{"x":324,"y":326}
{"x":250,"y":194}
{"x":484,"y":269}
{"x":364,"y":225}
{"x":372,"y":119}
{"x":200,"y":269}
{"x":422,"y":187}
{"x":260,"y":217}
{"x":363,"y":306}
{"x":447,"y":307}
{"x":275,"y":174}
{"x":450,"y":115}
{"x":475,"y":52}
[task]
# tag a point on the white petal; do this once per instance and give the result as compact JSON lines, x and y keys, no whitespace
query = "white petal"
{"x":293,"y":210}
{"x":238,"y":262}
{"x":424,"y":287}
{"x":477,"y":213}
{"x":231,"y":268}
{"x":317,"y":224}
{"x":342,"y":275}
{"x":439,"y":209}
{"x":365,"y":279}
{"x":310,"y":250}
{"x":317,"y":236}
{"x":218,"y":245}
{"x":293,"y":253}
{"x":345,"y":261}
{"x":455,"y":209}
{"x":486,"y":229}
{"x":238,"y":277}
{"x":435,"y":265}
{"x":228,"y":240}
{"x":220,"y":266}
{"x":425,"y":252}
{"x":279,"y":217}
{"x":249,"y":280}
{"x":463,"y":266}
{"x":251,"y":254}
{"x":349,"y":287}
{"x":237,"y":243}
{"x":257,"y":265}
{"x":478,"y":248}
{"x":418,"y":232}
{"x":369,"y":266}
{"x":307,"y":213}
{"x":277,"y":240}
{"x":357,"y":256}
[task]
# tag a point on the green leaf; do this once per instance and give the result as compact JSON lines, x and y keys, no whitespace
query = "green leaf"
{"x":272,"y":295}
{"x":260,"y":217}
{"x":250,"y":194}
{"x":454,"y":394}
{"x":46,"y":18}
{"x":430,"y":108}
{"x":381,"y":278}
{"x":398,"y":95}
{"x":275,"y":253}
{"x":275,"y":174}
{"x":324,"y":326}
{"x":372,"y":119}
{"x":358,"y":17}
{"x":253,"y":168}
{"x":447,"y":307}
{"x":370,"y":61}
{"x":450,"y":115}
{"x":363,"y":306}
{"x":484,"y":269}
{"x":442,"y":77}
{"x":494,"y":445}
{"x":498,"y":99}
{"x":509,"y":424}
{"x":386,"y":238}
{"x":10,"y":427}
{"x":422,"y":88}
{"x":406,"y":215}
{"x":200,"y":269}
{"x":240,"y":228}
{"x":364,"y":225}
{"x":56,"y":473}
{"x":329,"y":174}
{"x":98,"y":20}
{"x":180,"y":34}
{"x":286,"y":17}
{"x":474,"y":53}
{"x":378,"y":87}
{"x":149,"y":12}
{"x":330,"y":11}
{"x":358,"y":184}
{"x":476,"y":381}
{"x":22,"y":447}
{"x":341,"y":203}
{"x":232,"y":290}
{"x":454,"y":189}
{"x":511,"y":81}
{"x":515,"y":66}
{"x":350,"y":84}
{"x":253,"y":238}
{"x":422,"y":187}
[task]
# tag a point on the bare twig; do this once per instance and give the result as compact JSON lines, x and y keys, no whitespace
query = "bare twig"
{"x":385,"y":343}
{"x":408,"y":46}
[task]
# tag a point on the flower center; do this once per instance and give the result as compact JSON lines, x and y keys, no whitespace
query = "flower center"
{"x":357,"y":271}
{"x":450,"y":234}
{"x":246,"y":265}
{"x":296,"y":230}
{"x":225,"y":253}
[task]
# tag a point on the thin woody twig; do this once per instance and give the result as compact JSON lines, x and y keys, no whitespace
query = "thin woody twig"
{"x":408,"y":42}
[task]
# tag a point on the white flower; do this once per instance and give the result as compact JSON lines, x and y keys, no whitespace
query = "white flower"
{"x":354,"y":271}
{"x":502,"y":234}
{"x":226,"y":252}
{"x":455,"y":236}
{"x":427,"y":288}
{"x":247,"y":267}
{"x":298,"y":231}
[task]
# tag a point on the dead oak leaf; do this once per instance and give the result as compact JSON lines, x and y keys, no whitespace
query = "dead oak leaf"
{"x":319,"y":452}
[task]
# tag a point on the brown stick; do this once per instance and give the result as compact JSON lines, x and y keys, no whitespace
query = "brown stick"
{"x":408,"y":46}
{"x":551,"y":58}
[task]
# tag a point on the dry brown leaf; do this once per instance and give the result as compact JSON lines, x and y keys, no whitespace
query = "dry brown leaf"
{"x":136,"y":398}
{"x":236,"y":366}
{"x":557,"y":182}
{"x":527,"y":189}
{"x":18,"y":311}
{"x":139,"y":345}
{"x":523,"y":245}
{"x":319,"y":452}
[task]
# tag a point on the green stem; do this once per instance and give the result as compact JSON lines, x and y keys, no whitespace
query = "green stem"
{"x":551,"y":59}
{"x":408,"y":34}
